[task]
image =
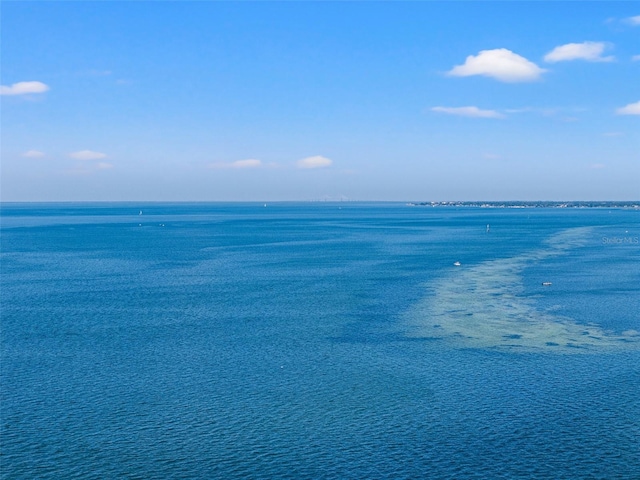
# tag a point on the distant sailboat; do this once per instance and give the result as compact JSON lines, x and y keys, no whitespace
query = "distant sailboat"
{"x":488,"y":228}
{"x":140,"y":212}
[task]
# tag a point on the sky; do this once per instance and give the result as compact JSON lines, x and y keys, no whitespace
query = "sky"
{"x":305,"y":101}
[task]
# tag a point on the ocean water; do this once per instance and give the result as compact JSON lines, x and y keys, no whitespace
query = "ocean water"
{"x":319,"y":340}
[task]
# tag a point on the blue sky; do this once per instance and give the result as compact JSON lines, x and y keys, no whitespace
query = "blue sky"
{"x":410,"y":101}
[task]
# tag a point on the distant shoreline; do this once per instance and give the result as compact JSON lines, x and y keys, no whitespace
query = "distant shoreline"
{"x":532,"y":204}
{"x":634,"y":204}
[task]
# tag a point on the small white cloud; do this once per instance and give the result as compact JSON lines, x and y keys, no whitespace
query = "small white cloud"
{"x":468,"y":112}
{"x":249,"y":163}
{"x":314,"y":162}
{"x":631,"y":109}
{"x":544,"y":111}
{"x":23,"y":88}
{"x":589,"y":51}
{"x":104,"y":166}
{"x":501,"y":64}
{"x":87,"y":155}
{"x":635,"y":58}
{"x":635,"y":21}
{"x":519,"y":110}
{"x":33,"y":154}
{"x":564,"y":113}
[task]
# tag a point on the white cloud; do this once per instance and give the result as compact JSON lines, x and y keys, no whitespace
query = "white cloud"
{"x":544,"y":111}
{"x":468,"y":112}
{"x":635,"y":58}
{"x":33,"y":154}
{"x":23,"y":88}
{"x":520,"y":110}
{"x":314,"y":162}
{"x":104,"y":166}
{"x":563,"y":113}
{"x":633,"y":20}
{"x":631,"y":109}
{"x":87,"y":155}
{"x":501,"y":64}
{"x":249,"y":163}
{"x":589,"y":51}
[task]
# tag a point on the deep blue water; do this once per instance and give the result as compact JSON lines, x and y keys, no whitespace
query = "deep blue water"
{"x":319,"y":341}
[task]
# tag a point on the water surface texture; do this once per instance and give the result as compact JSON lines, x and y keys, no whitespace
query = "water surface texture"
{"x":319,"y":341}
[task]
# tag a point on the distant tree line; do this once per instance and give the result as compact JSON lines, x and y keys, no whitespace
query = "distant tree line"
{"x":532,"y":204}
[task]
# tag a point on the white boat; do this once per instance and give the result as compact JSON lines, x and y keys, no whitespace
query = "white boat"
{"x":546,"y":284}
{"x":457,"y":264}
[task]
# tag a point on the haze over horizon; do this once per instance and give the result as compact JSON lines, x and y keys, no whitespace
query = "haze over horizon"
{"x":269,"y":101}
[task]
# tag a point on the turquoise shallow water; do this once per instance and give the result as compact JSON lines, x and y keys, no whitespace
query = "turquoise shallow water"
{"x":319,"y":341}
